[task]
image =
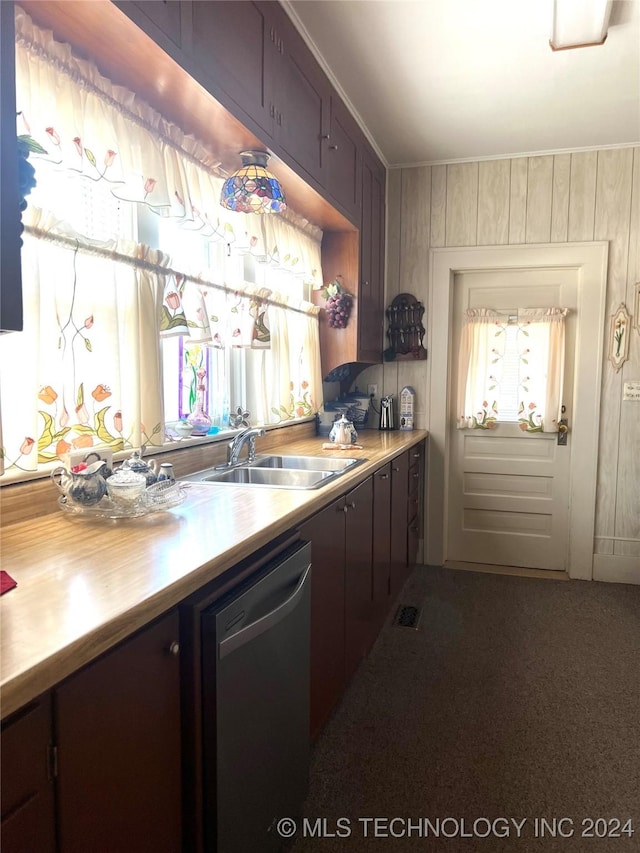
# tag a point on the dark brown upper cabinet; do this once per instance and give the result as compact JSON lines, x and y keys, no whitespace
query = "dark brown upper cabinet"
{"x":343,"y":155}
{"x":234,"y":52}
{"x":371,"y":285}
{"x":166,"y":15}
{"x":250,"y":57}
{"x":301,"y":101}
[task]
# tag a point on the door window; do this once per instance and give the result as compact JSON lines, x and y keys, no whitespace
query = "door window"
{"x":511,"y":368}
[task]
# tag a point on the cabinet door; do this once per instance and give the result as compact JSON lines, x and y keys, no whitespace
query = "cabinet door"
{"x":10,"y":227}
{"x":233,"y":48}
{"x":399,"y":512}
{"x":415,"y":506}
{"x":381,"y":545}
{"x":325,"y":531}
{"x":165,"y":15}
{"x":301,"y":101}
{"x":358,"y":580}
{"x":119,"y":748}
{"x":27,"y":787}
{"x":343,"y":159}
{"x":371,"y":292}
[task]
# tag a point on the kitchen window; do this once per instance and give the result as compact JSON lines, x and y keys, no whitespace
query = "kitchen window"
{"x":132,"y":271}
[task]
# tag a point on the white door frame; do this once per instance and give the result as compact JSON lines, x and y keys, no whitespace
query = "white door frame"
{"x":590,"y":260}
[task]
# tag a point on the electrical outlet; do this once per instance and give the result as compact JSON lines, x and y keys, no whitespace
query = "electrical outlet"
{"x":372,"y":390}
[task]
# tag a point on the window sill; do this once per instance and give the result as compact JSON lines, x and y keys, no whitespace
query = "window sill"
{"x":169,"y":446}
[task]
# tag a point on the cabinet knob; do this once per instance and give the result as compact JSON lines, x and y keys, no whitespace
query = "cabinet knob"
{"x":345,"y":509}
{"x":365,"y":284}
{"x":415,"y":476}
{"x":325,"y":136}
{"x":174,"y":648}
{"x":333,"y":148}
{"x":384,"y":476}
{"x":352,"y":505}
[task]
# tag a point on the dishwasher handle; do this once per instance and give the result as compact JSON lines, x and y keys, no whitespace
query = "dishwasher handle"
{"x":254,"y":629}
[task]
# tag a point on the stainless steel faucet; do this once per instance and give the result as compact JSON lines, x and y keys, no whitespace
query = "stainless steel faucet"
{"x":247,"y":436}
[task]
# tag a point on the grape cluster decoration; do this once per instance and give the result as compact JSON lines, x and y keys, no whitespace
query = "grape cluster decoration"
{"x":339,"y":304}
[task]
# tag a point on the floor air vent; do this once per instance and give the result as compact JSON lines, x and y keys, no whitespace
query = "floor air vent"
{"x":407,"y":616}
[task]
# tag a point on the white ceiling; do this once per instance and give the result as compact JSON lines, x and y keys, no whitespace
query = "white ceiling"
{"x":446,"y":80}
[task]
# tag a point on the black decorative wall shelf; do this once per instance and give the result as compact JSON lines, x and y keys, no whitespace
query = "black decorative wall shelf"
{"x":405,"y":331}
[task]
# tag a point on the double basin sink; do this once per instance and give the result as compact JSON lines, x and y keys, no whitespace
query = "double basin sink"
{"x":280,"y":472}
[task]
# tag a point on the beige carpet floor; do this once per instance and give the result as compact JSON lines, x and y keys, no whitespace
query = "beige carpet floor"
{"x":516,"y":701}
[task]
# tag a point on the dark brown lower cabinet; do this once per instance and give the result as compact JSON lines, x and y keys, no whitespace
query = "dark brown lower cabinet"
{"x":325,"y":531}
{"x":118,"y":748}
{"x":358,"y":583}
{"x":381,"y":546}
{"x":407,"y":482}
{"x":399,"y":498}
{"x":28,"y":822}
{"x":341,"y":596}
{"x":415,"y":504}
{"x":363,"y":547}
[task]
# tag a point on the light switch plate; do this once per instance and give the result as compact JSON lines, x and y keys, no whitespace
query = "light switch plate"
{"x":631,"y":391}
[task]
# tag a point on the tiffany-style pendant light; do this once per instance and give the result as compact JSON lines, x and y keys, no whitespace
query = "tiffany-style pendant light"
{"x":253,"y":189}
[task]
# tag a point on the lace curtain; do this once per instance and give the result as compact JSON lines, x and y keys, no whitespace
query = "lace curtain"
{"x":538,"y":356}
{"x":87,"y":369}
{"x":105,"y":132}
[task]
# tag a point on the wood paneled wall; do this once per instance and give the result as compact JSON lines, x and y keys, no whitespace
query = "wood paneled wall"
{"x":584,"y":196}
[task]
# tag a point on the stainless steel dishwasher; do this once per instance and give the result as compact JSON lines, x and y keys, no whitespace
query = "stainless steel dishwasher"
{"x":255,"y":694}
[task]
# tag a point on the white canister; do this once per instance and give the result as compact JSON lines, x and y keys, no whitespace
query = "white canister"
{"x":407,"y":403}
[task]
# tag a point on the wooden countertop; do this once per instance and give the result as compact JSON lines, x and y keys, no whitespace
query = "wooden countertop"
{"x":84,"y":585}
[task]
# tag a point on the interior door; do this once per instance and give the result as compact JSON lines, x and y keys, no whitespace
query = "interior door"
{"x":508,"y":494}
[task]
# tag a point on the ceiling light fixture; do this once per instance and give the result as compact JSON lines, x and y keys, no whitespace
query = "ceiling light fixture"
{"x":253,"y":189}
{"x":579,"y":23}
